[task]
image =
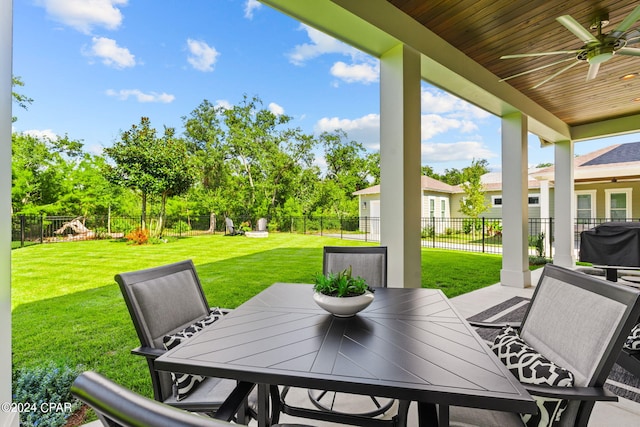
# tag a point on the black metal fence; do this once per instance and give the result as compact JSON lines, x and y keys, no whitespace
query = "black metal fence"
{"x":466,"y":234}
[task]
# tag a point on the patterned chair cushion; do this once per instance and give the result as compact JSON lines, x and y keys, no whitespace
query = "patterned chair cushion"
{"x":184,"y":384}
{"x":530,"y":367}
{"x":633,"y":340}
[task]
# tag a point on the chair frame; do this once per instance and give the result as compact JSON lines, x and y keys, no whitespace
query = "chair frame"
{"x":151,"y":353}
{"x":595,"y":391}
{"x":117,"y":406}
{"x":329,"y":250}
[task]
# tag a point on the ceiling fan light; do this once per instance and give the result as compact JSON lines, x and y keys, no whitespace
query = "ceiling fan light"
{"x":600,"y":54}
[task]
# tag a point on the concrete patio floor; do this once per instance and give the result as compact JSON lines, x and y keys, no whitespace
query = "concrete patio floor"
{"x":624,"y":413}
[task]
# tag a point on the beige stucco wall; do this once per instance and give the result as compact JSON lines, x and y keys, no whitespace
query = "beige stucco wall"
{"x":534,"y":211}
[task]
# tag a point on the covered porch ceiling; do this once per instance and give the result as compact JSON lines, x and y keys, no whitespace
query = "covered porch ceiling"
{"x":461,"y":42}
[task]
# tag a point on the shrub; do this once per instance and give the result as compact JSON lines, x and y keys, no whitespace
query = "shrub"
{"x":181,"y":227}
{"x":43,"y":395}
{"x":427,"y":232}
{"x":138,"y":236}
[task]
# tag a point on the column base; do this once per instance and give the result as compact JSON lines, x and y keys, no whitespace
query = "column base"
{"x":515,"y":279}
{"x":9,"y":419}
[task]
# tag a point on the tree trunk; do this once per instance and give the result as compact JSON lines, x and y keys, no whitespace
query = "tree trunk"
{"x":143,"y":216}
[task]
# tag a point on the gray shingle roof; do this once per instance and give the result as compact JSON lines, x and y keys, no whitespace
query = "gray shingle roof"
{"x":623,"y":153}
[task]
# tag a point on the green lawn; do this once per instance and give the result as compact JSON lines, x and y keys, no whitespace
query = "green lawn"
{"x":68,"y":309}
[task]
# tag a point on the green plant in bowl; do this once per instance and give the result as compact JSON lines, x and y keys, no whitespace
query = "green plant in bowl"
{"x":341,"y":284}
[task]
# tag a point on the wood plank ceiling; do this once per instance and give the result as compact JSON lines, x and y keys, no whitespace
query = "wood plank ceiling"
{"x":485,"y":30}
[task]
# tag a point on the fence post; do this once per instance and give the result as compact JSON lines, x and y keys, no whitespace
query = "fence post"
{"x":550,"y":237}
{"x":41,"y":228}
{"x":341,"y":227}
{"x":321,"y":225}
{"x":483,"y":234}
{"x":433,"y":231}
{"x":366,"y":229}
{"x":23,"y":221}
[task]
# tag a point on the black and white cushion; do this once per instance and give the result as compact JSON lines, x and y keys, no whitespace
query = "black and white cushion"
{"x":633,"y":340}
{"x":184,"y":384}
{"x":530,"y":367}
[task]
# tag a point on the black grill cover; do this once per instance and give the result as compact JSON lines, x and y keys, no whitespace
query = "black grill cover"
{"x":612,"y":243}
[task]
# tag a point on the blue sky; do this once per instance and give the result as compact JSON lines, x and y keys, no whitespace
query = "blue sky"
{"x":94,"y":67}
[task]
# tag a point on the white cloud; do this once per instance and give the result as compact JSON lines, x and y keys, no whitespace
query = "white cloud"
{"x":223,"y":103}
{"x":140,"y":96}
{"x":83,"y":15}
{"x":249,"y":7}
{"x":440,"y":102}
{"x":364,"y":72}
{"x":43,"y":135}
{"x":321,"y":44}
{"x":435,"y":124}
{"x":276,"y":109}
{"x":455,"y":151}
{"x":111,"y":54}
{"x":365,"y":129}
{"x":203,"y":57}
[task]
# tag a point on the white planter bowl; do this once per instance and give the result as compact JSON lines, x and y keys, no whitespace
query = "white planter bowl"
{"x":343,"y":306}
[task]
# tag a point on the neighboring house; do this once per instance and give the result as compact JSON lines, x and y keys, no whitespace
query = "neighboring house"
{"x":436,"y":202}
{"x":607,"y":186}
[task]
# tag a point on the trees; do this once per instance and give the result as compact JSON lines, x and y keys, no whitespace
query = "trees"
{"x":151,"y":166}
{"x":473,"y":204}
{"x":42,"y":173}
{"x":22,"y":100}
{"x":250,"y":162}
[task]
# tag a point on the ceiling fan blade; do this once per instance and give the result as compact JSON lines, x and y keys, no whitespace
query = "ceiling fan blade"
{"x":556,"y":74}
{"x":593,"y":71}
{"x":629,"y":51}
{"x":527,"y":55}
{"x":577,"y":29}
{"x":536,"y":69}
{"x":627,"y":22}
{"x":632,"y":37}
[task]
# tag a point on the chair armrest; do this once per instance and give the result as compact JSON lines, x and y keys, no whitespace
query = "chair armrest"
{"x":572,"y":393}
{"x":148,"y":352}
{"x":493,"y":325}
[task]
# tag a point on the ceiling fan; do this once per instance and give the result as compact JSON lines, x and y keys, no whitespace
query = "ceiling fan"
{"x":597,"y":49}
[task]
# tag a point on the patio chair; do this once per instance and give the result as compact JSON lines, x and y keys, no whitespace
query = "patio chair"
{"x":164,"y":302}
{"x":117,"y":406}
{"x":230,"y":229}
{"x":629,"y":357}
{"x":370,"y":263}
{"x":573,"y":330}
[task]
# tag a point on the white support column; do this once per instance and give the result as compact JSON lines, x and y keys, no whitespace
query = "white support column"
{"x":6,"y":53}
{"x":400,"y":165}
{"x":545,"y":214}
{"x":515,"y":243}
{"x":563,"y":226}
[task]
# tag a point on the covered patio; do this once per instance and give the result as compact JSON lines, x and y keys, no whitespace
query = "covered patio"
{"x":456,"y":47}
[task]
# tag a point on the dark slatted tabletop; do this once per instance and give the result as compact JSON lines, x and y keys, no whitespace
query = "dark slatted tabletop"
{"x":409,"y":344}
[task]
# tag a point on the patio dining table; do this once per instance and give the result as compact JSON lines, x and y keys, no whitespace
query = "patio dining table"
{"x":409,"y":344}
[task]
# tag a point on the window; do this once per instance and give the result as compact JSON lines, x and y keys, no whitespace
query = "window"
{"x":618,"y":203}
{"x":532,"y":200}
{"x":432,"y":208}
{"x":585,"y":206}
{"x":443,"y":208}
